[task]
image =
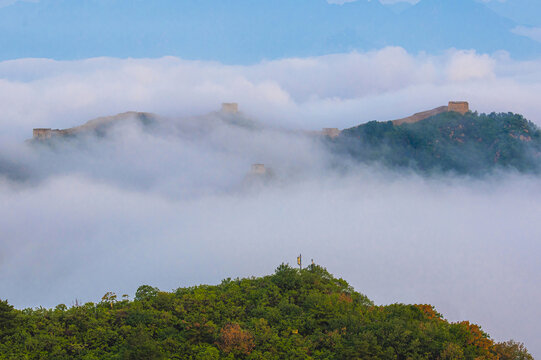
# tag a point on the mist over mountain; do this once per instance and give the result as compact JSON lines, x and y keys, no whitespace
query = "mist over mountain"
{"x":216,"y":30}
{"x":469,"y":144}
{"x":523,"y":12}
{"x":463,"y":24}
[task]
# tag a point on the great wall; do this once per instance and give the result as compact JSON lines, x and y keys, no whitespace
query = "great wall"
{"x":96,"y":124}
{"x":92,"y":125}
{"x":461,"y":107}
{"x":258,"y":171}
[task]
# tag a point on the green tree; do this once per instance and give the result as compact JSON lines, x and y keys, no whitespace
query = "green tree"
{"x":141,"y":346}
{"x":7,"y":319}
{"x":512,"y":350}
{"x":146,"y":292}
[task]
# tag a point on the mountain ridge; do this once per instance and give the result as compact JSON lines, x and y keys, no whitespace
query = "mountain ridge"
{"x":448,"y":142}
{"x":447,"y":139}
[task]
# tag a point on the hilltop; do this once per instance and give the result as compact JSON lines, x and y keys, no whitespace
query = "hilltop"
{"x":103,"y":126}
{"x":292,"y":314}
{"x":99,"y":126}
{"x":448,"y":141}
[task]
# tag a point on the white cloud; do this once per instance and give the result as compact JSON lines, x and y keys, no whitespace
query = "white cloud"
{"x":533,"y":33}
{"x":467,"y":65}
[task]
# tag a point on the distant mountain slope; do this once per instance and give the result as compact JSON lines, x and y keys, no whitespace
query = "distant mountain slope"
{"x":99,"y":126}
{"x":524,"y":12}
{"x":225,"y":30}
{"x":463,"y":24}
{"x":421,"y":115}
{"x":448,"y":142}
{"x":103,"y":126}
{"x":244,"y":31}
{"x":12,"y":171}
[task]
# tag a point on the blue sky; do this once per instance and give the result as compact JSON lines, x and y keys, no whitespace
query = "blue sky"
{"x":242,"y":31}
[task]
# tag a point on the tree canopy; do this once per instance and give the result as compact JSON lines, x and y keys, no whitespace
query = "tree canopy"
{"x":471,"y":144}
{"x":292,"y":314}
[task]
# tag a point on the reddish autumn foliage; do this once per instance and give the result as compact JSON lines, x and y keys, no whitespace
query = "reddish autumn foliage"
{"x":429,"y":311}
{"x":235,"y":340}
{"x":345,"y":298}
{"x":476,"y":337}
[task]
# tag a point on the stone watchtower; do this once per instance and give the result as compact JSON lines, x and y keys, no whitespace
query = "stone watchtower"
{"x":47,"y":133}
{"x":42,"y":133}
{"x":230,"y":108}
{"x":330,"y":132}
{"x":259,"y":169}
{"x":461,"y":107}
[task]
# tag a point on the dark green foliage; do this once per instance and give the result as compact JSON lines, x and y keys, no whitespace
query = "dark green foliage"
{"x":449,"y":142}
{"x":293,"y":314}
{"x":7,"y":319}
{"x":146,"y":292}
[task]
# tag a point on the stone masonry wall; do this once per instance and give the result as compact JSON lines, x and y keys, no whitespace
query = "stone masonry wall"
{"x":459,"y":106}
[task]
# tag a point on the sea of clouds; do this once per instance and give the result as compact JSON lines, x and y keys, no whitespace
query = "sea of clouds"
{"x":169,"y":208}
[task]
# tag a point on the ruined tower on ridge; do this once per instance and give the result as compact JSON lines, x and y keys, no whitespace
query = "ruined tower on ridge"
{"x":259,"y":175}
{"x":230,"y":108}
{"x":47,"y":133}
{"x":461,"y":107}
{"x":331,"y":132}
{"x":259,"y":169}
{"x":42,"y":133}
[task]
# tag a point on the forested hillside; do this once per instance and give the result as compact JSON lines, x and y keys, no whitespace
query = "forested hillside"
{"x":449,"y":142}
{"x":293,"y":314}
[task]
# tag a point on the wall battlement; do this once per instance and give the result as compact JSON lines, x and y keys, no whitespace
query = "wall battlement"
{"x":43,"y":133}
{"x":461,"y":107}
